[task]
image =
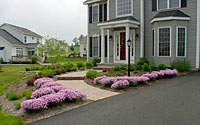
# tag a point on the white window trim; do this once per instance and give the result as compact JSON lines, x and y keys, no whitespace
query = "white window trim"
{"x":177,"y":40}
{"x":131,"y":14}
{"x":93,"y":12}
{"x":170,"y":53}
{"x":168,"y":5}
{"x":154,"y":41}
{"x":95,"y":35}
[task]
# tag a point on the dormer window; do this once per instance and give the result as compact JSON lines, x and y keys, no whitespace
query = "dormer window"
{"x":25,"y":39}
{"x":124,"y":8}
{"x":166,"y":4}
{"x":95,"y":13}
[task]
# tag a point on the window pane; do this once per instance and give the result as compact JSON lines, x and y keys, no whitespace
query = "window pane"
{"x":162,"y":4}
{"x":174,"y":3}
{"x":123,"y":7}
{"x":164,"y":42}
{"x":96,"y":49}
{"x":181,"y":41}
{"x":153,"y":40}
{"x":95,"y":13}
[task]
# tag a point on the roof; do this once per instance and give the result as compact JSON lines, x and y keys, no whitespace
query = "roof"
{"x":2,"y":48}
{"x":90,"y":1}
{"x":124,"y":18}
{"x":172,"y":13}
{"x":24,"y":30}
{"x":12,"y":40}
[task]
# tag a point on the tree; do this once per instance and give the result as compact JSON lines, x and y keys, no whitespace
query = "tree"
{"x":76,"y":41}
{"x":52,"y":48}
{"x":81,"y":37}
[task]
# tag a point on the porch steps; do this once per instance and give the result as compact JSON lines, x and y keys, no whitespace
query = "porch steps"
{"x":103,"y":67}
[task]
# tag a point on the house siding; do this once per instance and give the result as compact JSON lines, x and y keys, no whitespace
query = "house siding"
{"x":7,"y":50}
{"x":191,"y":28}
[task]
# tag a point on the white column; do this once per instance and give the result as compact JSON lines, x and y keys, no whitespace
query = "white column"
{"x":88,"y":41}
{"x":127,"y":38}
{"x":102,"y":46}
{"x":142,"y":28}
{"x":198,"y":35}
{"x":108,"y":46}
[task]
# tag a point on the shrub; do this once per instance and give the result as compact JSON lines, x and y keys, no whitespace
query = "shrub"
{"x":74,"y":69}
{"x":34,"y":59}
{"x":12,"y":95}
{"x":27,"y":69}
{"x":27,"y":94}
{"x":95,"y":61}
{"x":181,"y":66}
{"x":132,"y":67}
{"x":17,"y":105}
{"x":1,"y":60}
{"x":116,"y":68}
{"x":20,"y":61}
{"x":45,"y":72}
{"x":88,"y":64}
{"x":99,"y":74}
{"x":133,"y":84}
{"x":138,"y":67}
{"x":142,"y":61}
{"x":146,"y":67}
{"x":110,"y":74}
{"x":29,"y":62}
{"x":82,"y":68}
{"x":10,"y":61}
{"x":91,"y":74}
{"x":124,"y":67}
{"x":80,"y":64}
{"x":162,"y":67}
{"x":120,"y":84}
{"x":153,"y":68}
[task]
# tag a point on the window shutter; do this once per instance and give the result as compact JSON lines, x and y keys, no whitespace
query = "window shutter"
{"x":99,"y":46}
{"x":105,"y":12}
{"x":100,"y":13}
{"x":183,"y":3}
{"x":106,"y":46}
{"x":90,"y":15}
{"x":154,"y":5}
{"x":90,"y":47}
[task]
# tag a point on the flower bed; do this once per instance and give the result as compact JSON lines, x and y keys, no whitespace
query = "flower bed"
{"x":123,"y":82}
{"x":50,"y":94}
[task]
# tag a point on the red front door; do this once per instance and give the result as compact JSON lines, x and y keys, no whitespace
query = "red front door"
{"x":122,"y":46}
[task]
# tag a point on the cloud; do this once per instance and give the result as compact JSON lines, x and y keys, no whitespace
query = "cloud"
{"x":64,"y":19}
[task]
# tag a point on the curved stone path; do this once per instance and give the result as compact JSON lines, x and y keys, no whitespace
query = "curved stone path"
{"x":92,"y":93}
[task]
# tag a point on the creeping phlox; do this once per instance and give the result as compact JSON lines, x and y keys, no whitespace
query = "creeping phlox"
{"x":49,"y":92}
{"x":122,"y":82}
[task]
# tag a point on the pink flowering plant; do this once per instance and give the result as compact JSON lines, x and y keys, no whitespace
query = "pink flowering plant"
{"x":41,"y":92}
{"x":39,"y":82}
{"x":122,"y":84}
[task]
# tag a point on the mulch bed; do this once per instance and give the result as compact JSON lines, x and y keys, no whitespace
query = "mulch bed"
{"x":134,"y":73}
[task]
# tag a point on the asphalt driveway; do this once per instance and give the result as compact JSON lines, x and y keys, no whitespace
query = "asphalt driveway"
{"x":170,"y":102}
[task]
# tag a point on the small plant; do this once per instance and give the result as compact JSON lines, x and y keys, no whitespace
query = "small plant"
{"x":138,"y":67}
{"x":10,"y":61}
{"x":34,"y":59}
{"x":17,"y":105}
{"x":116,"y":68}
{"x":146,"y":67}
{"x":1,"y":60}
{"x":181,"y":66}
{"x":124,"y":67}
{"x":153,"y":68}
{"x":142,"y":61}
{"x":20,"y":61}
{"x":80,"y":64}
{"x":99,"y":75}
{"x":162,"y":67}
{"x":88,"y":65}
{"x":27,"y":94}
{"x":29,"y":62}
{"x":132,"y":67}
{"x":133,"y":84}
{"x":91,"y":74}
{"x":110,"y":74}
{"x":95,"y":61}
{"x":74,"y":69}
{"x":12,"y":95}
{"x":0,"y":68}
{"x":82,"y":68}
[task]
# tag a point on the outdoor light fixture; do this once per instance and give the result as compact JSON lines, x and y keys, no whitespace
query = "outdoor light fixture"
{"x":129,"y":42}
{"x":110,"y":38}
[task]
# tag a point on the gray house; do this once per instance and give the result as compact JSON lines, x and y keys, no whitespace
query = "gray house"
{"x":162,"y":30}
{"x":17,"y":43}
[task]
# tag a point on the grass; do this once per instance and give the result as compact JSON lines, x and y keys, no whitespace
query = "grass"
{"x":7,"y":119}
{"x":62,"y":59}
{"x":9,"y":75}
{"x":12,"y":95}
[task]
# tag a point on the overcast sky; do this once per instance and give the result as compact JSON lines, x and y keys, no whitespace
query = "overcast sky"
{"x":63,"y":19}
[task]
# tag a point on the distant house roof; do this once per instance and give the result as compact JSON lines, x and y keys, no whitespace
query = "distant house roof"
{"x":24,"y":30}
{"x":84,"y":40}
{"x":172,"y":13}
{"x":12,"y":40}
{"x":2,"y":48}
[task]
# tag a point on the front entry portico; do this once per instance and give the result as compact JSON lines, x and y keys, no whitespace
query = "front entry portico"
{"x":118,"y":33}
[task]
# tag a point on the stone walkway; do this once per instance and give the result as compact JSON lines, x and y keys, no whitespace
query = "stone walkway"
{"x":92,"y":93}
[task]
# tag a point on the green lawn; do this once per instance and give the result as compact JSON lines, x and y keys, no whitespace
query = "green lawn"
{"x":10,"y":76}
{"x":62,"y":59}
{"x":7,"y":119}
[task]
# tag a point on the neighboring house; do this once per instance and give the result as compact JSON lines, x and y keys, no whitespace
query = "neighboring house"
{"x":162,"y":30}
{"x":17,"y":43}
{"x":83,"y":47}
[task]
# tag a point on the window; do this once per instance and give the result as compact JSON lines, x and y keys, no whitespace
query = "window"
{"x":19,"y":51}
{"x":96,"y":46}
{"x":95,"y":13}
{"x":32,"y":38}
{"x":124,"y":7}
{"x":164,"y":41}
{"x":153,"y":42}
{"x":166,"y":4}
{"x":181,"y":41}
{"x":25,"y":39}
{"x":38,"y":40}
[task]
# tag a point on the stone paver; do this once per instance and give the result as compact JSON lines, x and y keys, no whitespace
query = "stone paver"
{"x":92,"y":93}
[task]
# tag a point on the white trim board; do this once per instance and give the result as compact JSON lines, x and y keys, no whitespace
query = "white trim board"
{"x":198,"y":35}
{"x":118,"y":22}
{"x":169,"y":18}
